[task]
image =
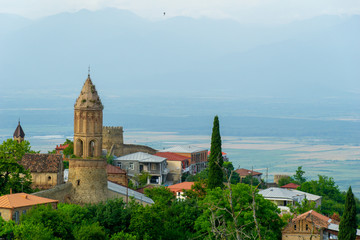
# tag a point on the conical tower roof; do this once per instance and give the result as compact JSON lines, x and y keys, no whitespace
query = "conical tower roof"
{"x":19,"y":131}
{"x":88,"y":98}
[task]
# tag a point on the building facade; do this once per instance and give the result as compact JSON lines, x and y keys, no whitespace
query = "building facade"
{"x":140,"y":162}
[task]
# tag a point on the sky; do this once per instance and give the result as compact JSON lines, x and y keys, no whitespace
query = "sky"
{"x":244,"y":11}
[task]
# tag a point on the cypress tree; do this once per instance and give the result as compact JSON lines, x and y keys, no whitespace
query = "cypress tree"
{"x":347,"y":228}
{"x":215,"y":178}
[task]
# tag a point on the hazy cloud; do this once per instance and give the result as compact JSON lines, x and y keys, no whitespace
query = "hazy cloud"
{"x":245,"y":11}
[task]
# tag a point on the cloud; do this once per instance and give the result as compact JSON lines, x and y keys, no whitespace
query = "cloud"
{"x":245,"y":11}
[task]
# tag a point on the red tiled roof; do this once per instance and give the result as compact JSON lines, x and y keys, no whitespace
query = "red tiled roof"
{"x":61,"y":147}
{"x":181,"y":186}
{"x":223,"y":153}
{"x":22,"y":200}
{"x":40,"y":162}
{"x":171,"y":156}
{"x":291,"y":185}
{"x":315,"y":217}
{"x":246,"y":172}
{"x":110,"y":169}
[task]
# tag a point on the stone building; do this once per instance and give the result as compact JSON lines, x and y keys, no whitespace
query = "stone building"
{"x":46,"y":169}
{"x":87,"y":173}
{"x":19,"y":134}
{"x":113,"y":142}
{"x":116,"y":175}
{"x":87,"y":180}
{"x":312,"y":226}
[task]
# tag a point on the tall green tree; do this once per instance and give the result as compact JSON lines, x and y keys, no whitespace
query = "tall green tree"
{"x":215,"y":160}
{"x":299,"y":176}
{"x":12,"y":174}
{"x":347,"y":228}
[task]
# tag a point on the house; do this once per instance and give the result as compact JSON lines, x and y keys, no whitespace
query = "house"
{"x":176,"y":164}
{"x":116,"y":175}
{"x":284,"y":198}
{"x":290,"y":186}
{"x":243,"y":173}
{"x":140,"y":162}
{"x":12,"y":206}
{"x":46,"y":169}
{"x":178,"y":189}
{"x":312,"y":225}
{"x":197,"y":155}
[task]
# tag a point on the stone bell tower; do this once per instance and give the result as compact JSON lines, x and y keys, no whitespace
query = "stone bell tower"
{"x":87,"y":172}
{"x":19,"y":134}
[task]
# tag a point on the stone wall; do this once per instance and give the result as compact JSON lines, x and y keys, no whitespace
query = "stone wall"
{"x":45,"y":180}
{"x":89,"y":179}
{"x":112,"y":136}
{"x":61,"y":193}
{"x":113,"y":142}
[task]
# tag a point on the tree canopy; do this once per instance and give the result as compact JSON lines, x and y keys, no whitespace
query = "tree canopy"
{"x":348,"y":226}
{"x":12,"y":174}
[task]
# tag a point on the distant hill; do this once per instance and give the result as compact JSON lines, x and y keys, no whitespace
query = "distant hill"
{"x":178,"y":56}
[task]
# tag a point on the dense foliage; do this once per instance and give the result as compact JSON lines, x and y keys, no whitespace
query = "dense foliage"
{"x":167,"y":218}
{"x":215,"y":178}
{"x":348,"y":226}
{"x":12,"y":174}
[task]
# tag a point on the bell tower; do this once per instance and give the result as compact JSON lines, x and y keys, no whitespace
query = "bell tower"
{"x":19,"y":134}
{"x":87,"y":172}
{"x":88,"y":121}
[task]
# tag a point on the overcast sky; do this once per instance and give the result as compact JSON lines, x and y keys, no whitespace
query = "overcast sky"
{"x":245,"y":11}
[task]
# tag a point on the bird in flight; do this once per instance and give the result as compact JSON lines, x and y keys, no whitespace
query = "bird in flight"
{"x":164,"y":13}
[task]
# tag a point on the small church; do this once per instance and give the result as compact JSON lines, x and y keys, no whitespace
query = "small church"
{"x":87,"y":182}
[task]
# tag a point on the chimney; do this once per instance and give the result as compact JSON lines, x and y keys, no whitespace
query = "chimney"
{"x":10,"y":190}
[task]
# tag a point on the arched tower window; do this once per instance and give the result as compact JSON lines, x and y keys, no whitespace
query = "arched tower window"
{"x":79,"y":148}
{"x":91,"y":148}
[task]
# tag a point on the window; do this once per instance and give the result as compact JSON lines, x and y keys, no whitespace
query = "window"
{"x":16,"y":216}
{"x":118,"y":164}
{"x":295,"y":227}
{"x":131,"y":166}
{"x":24,"y":212}
{"x":307,"y":227}
{"x":153,"y":166}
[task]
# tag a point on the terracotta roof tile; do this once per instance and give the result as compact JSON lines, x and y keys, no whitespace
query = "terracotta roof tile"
{"x":61,"y":147}
{"x":110,"y":169}
{"x":40,"y":162}
{"x":22,"y":200}
{"x":246,"y":172}
{"x":291,"y":185}
{"x":315,"y":217}
{"x":181,"y":186}
{"x":172,"y":156}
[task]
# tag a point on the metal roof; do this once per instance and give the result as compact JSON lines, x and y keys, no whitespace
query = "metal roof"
{"x":184,"y":149}
{"x":279,"y":193}
{"x":309,"y":196}
{"x":141,"y":157}
{"x":131,"y":193}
